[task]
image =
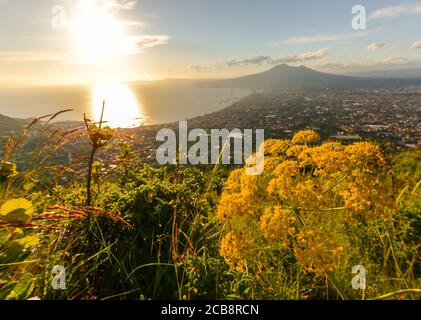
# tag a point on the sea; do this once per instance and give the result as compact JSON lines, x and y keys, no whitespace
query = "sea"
{"x":125,"y":104}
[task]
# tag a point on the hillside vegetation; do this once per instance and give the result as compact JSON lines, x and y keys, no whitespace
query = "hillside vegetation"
{"x":123,"y":230}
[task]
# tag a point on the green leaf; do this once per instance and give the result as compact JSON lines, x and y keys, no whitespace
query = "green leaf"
{"x":16,"y":211}
{"x":22,"y":290}
{"x":28,"y":242}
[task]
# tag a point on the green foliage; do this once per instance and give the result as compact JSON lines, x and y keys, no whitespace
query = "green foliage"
{"x":170,"y":224}
{"x":407,"y":166}
{"x":153,"y":233}
{"x":15,"y":249}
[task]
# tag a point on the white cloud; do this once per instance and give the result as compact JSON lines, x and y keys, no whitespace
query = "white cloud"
{"x":262,"y":59}
{"x":319,"y":38}
{"x":375,"y":46}
{"x":306,"y":56}
{"x":312,"y":39}
{"x":145,"y":42}
{"x":321,"y":53}
{"x":106,"y":4}
{"x":395,"y":11}
{"x":416,"y":45}
{"x":394,"y":60}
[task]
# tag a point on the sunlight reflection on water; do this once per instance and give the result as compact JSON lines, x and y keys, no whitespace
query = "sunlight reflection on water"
{"x":122,"y":109}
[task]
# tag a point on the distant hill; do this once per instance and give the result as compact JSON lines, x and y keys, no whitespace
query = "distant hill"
{"x":287,"y":77}
{"x":413,"y":73}
{"x":16,"y":125}
{"x":8,"y":125}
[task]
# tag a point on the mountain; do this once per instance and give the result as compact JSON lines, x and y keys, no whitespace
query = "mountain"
{"x":287,"y":77}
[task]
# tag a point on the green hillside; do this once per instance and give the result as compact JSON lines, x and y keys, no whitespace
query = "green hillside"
{"x":124,"y":230}
{"x":8,"y":125}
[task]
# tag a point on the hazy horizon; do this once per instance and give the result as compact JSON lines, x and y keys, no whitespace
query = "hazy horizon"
{"x":157,"y":102}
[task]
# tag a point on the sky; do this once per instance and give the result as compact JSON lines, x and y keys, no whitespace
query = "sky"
{"x":49,"y":42}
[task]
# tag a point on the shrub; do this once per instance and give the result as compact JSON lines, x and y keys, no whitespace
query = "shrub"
{"x":316,"y":211}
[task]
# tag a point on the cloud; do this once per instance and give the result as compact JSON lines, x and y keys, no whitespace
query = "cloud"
{"x":389,"y":63}
{"x":394,"y":60}
{"x":375,"y":46}
{"x":319,"y":38}
{"x":137,"y":45}
{"x":416,"y":45}
{"x":254,"y":60}
{"x":262,"y":59}
{"x":106,"y":4}
{"x":321,"y":53}
{"x":311,"y":39}
{"x":395,"y":11}
{"x":146,"y":42}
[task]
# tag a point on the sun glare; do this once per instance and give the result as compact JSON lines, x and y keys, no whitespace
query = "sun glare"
{"x":99,"y":36}
{"x":122,"y":109}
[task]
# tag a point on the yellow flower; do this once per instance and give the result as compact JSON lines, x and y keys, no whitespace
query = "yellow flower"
{"x":272,"y":162}
{"x":308,"y":195}
{"x":277,"y":224}
{"x":364,"y":155}
{"x":326,"y":158}
{"x":248,"y":184}
{"x":295,"y":151}
{"x":287,"y":168}
{"x":232,"y":205}
{"x":230,"y":250}
{"x":232,"y":186}
{"x":305,"y":137}
{"x":276,"y":147}
{"x":317,"y":251}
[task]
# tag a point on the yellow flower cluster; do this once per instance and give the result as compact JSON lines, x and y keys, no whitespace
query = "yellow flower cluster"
{"x":305,"y":186}
{"x":317,"y":251}
{"x":276,"y":147}
{"x":231,"y":248}
{"x":235,"y":201}
{"x":277,"y":224}
{"x":232,"y":205}
{"x":305,"y":137}
{"x":365,"y":154}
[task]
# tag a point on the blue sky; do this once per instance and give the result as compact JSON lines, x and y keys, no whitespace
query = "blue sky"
{"x":205,"y":38}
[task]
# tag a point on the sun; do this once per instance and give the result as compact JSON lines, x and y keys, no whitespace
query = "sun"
{"x":99,"y":36}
